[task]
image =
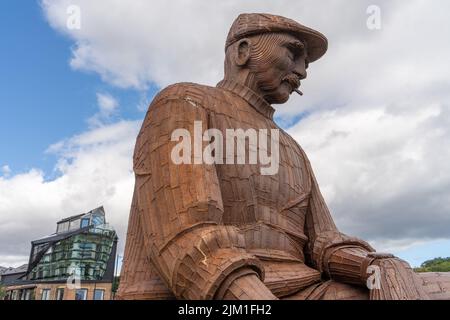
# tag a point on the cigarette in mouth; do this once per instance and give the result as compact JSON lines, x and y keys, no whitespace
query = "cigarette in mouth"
{"x":298,"y":91}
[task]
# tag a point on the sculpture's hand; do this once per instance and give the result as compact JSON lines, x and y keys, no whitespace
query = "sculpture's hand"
{"x":248,"y":287}
{"x":393,"y":279}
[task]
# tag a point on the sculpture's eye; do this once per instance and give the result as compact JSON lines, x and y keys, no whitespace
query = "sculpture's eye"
{"x":291,"y":55}
{"x":295,"y":49}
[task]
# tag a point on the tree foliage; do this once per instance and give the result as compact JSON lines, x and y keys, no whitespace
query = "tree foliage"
{"x":115,"y":285}
{"x":435,"y":265}
{"x":2,"y":292}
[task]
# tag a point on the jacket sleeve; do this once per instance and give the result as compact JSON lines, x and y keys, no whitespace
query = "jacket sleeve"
{"x":180,"y":206}
{"x":325,"y":240}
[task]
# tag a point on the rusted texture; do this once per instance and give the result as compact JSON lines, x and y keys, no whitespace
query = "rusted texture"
{"x":226,"y":231}
{"x":436,"y":284}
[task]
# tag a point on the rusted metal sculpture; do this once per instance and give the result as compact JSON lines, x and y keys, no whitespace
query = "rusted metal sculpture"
{"x":226,"y":231}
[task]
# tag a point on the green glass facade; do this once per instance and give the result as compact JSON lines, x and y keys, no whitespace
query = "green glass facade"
{"x":81,"y":247}
{"x":85,"y":255}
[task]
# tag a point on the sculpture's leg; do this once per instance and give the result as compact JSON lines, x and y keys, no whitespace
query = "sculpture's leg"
{"x":139,"y":279}
{"x":331,"y":290}
{"x":436,"y":284}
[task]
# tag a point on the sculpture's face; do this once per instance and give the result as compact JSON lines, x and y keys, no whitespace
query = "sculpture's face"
{"x":277,"y":63}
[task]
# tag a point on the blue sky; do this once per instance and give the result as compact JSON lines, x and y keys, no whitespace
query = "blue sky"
{"x":423,"y":252}
{"x":354,"y":131}
{"x":42,"y":99}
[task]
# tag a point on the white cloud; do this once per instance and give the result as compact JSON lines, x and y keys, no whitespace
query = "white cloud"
{"x":6,"y":170}
{"x":141,"y":42}
{"x":138,"y":43}
{"x":95,"y":169}
{"x":13,"y":261}
{"x":377,"y":103}
{"x":108,"y":106}
{"x":385,"y":175}
{"x":107,"y":103}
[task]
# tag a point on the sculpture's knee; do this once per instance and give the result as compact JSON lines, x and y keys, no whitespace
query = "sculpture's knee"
{"x":342,"y":291}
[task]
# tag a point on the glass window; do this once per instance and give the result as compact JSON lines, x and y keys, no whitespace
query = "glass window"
{"x":81,"y":294}
{"x":98,"y":274}
{"x":30,"y":294}
{"x":88,"y":246}
{"x":75,"y":224}
{"x":85,"y":222}
{"x":98,"y":219}
{"x":63,"y":227}
{"x":60,"y":294}
{"x":45,"y":294}
{"x":99,"y":294}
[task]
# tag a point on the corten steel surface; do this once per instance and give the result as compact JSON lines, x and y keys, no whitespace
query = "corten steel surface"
{"x":225,"y":231}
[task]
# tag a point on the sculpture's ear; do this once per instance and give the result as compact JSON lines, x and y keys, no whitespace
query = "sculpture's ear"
{"x":243,"y":52}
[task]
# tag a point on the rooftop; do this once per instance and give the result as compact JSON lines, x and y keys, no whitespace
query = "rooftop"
{"x":8,"y":271}
{"x":99,"y":209}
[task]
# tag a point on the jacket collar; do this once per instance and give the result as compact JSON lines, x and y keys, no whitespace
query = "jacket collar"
{"x":253,"y":99}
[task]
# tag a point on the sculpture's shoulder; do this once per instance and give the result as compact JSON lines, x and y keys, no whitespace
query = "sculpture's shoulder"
{"x":201,"y":95}
{"x":171,"y":108}
{"x":289,"y":142}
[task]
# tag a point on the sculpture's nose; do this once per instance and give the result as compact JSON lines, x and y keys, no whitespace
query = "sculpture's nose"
{"x":300,"y":69}
{"x":300,"y":72}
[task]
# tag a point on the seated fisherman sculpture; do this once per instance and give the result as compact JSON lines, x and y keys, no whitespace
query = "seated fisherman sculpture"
{"x":225,"y":230}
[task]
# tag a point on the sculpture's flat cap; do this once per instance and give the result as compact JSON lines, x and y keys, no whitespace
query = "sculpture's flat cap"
{"x":250,"y":24}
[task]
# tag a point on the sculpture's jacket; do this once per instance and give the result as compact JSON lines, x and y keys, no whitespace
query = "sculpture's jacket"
{"x":192,"y":225}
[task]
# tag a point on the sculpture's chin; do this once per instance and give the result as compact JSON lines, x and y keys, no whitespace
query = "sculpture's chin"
{"x":281,"y":96}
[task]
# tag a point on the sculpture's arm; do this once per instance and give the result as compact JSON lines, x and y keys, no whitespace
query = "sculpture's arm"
{"x":347,"y":259}
{"x":326,"y":243}
{"x":181,"y":212}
